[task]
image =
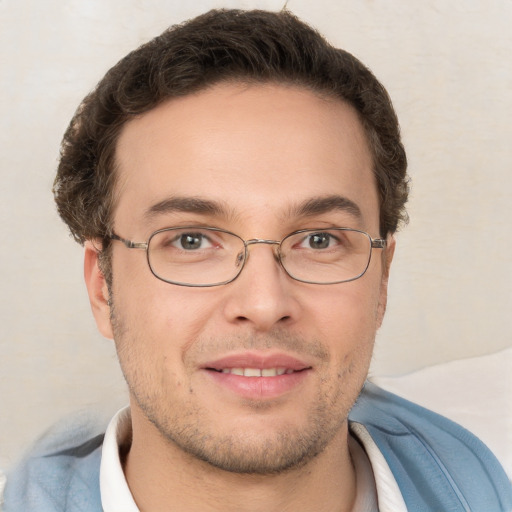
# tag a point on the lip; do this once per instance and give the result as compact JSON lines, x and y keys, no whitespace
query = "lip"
{"x":255,"y":360}
{"x":258,"y":388}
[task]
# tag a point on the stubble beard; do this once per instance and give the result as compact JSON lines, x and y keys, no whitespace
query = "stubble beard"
{"x":240,"y":452}
{"x":184,"y":424}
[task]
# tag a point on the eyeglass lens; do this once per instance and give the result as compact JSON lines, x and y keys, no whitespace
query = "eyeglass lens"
{"x":208,"y":256}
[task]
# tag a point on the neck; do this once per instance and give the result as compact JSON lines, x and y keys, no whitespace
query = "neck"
{"x":159,"y":473}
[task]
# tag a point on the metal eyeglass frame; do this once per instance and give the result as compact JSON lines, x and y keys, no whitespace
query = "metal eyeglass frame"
{"x":375,"y":243}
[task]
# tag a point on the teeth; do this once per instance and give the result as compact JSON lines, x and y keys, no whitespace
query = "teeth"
{"x":257,"y":372}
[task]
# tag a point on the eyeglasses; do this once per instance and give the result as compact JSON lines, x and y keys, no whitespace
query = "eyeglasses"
{"x":204,"y":256}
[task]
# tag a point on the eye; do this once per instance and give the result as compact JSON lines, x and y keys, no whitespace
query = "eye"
{"x":319,"y":241}
{"x":191,"y":241}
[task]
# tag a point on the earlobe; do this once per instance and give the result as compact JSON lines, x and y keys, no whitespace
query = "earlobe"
{"x":97,"y":289}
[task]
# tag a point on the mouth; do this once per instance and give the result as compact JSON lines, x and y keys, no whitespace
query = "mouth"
{"x":258,"y":372}
{"x":257,"y":376}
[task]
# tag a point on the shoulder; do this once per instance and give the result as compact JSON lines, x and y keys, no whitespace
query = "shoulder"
{"x":434,"y":460}
{"x":61,"y":471}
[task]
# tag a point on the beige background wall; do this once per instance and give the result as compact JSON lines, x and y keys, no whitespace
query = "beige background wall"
{"x":447,"y":65}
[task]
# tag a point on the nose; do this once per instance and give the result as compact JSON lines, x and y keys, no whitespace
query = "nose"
{"x":262,"y":297}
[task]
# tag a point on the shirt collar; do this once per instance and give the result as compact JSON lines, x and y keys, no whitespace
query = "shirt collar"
{"x":115,"y":493}
{"x":388,"y":493}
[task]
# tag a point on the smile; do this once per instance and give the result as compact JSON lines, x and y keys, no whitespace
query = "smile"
{"x":257,"y":375}
{"x":257,"y":372}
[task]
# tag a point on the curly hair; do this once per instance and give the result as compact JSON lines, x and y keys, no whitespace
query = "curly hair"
{"x":221,"y":45}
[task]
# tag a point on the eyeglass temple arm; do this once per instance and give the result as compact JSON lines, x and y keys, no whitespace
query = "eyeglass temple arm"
{"x":378,"y":243}
{"x":129,"y":243}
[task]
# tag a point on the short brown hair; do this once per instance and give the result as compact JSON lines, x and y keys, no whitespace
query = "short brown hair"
{"x":221,"y":45}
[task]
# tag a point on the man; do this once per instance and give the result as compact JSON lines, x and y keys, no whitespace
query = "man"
{"x":236,"y":183}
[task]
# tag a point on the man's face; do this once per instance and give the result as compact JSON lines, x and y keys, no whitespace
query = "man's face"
{"x":254,"y":155}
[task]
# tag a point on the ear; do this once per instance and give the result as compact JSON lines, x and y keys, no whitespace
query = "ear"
{"x":387,"y":258}
{"x":97,"y":290}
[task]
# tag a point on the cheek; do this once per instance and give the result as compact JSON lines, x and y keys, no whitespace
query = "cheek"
{"x":157,"y":315}
{"x":346,"y":320}
{"x":348,"y":313}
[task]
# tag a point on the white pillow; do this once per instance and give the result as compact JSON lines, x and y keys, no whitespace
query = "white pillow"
{"x":475,"y":392}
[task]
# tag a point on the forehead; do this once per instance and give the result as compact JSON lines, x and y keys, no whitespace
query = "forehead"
{"x":256,"y":150}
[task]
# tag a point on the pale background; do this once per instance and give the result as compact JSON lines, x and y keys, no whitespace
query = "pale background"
{"x":447,"y":66}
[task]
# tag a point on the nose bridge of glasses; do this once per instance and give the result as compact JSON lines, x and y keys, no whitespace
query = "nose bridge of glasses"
{"x":254,"y":241}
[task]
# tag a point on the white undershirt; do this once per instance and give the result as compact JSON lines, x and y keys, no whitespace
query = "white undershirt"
{"x":374,"y":478}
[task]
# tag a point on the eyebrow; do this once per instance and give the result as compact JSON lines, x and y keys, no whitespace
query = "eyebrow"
{"x":326,"y":204}
{"x":186,"y":204}
{"x":308,"y":208}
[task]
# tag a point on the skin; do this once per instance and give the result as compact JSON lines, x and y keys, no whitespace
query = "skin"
{"x":257,"y":151}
